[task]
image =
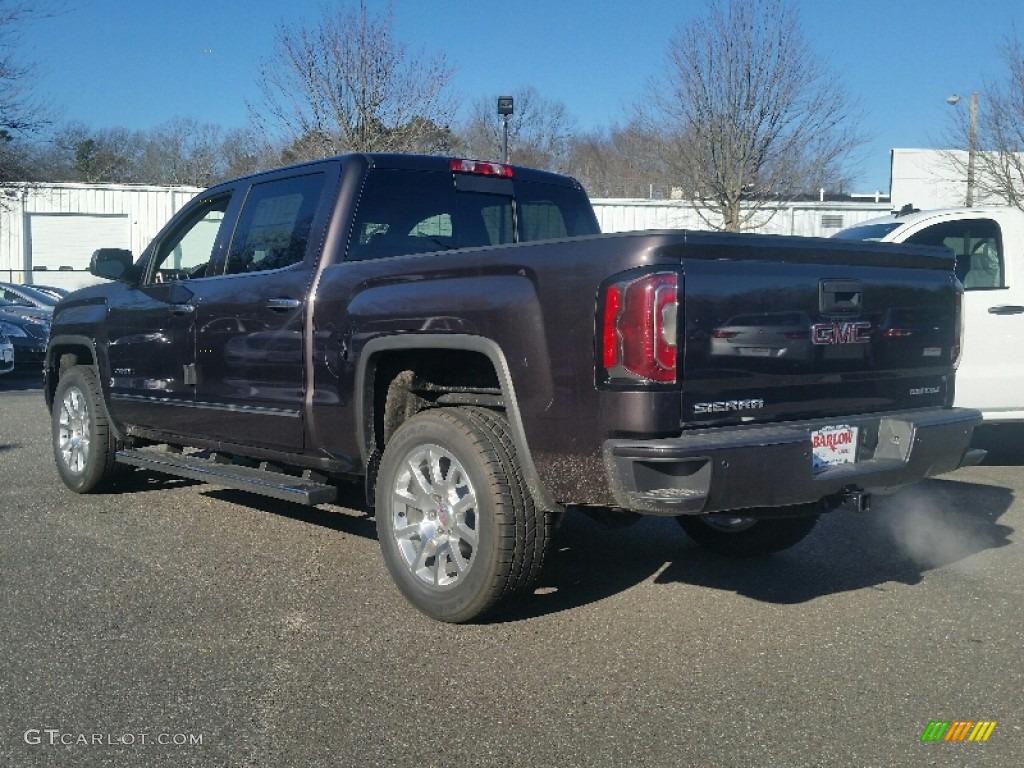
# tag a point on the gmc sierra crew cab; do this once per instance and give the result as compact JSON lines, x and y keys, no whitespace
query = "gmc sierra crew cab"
{"x":460,"y":336}
{"x":989,"y":245}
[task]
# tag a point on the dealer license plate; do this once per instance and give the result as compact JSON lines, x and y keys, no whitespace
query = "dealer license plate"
{"x":756,"y":351}
{"x":833,"y":446}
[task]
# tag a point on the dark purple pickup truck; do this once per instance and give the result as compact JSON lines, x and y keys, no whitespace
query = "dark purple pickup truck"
{"x":460,"y":336}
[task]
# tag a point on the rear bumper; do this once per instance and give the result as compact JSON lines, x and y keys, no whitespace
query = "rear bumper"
{"x":770,"y":466}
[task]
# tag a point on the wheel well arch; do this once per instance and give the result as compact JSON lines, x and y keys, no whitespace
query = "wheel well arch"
{"x":62,"y":354}
{"x":399,"y":376}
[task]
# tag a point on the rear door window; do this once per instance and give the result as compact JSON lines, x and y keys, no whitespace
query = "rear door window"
{"x":273,"y":231}
{"x":978,"y":245}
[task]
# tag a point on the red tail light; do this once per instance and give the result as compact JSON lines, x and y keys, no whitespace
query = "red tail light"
{"x":638,"y":333}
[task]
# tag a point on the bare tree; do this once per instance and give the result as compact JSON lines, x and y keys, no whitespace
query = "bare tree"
{"x":539,"y":131}
{"x":347,"y":85}
{"x":76,"y":152}
{"x":183,"y":151}
{"x":245,"y":151}
{"x":622,"y":162}
{"x":22,"y":114}
{"x":748,"y":115}
{"x":996,"y":139}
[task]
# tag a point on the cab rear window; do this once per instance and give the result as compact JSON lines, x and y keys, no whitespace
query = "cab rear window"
{"x":404,"y":212}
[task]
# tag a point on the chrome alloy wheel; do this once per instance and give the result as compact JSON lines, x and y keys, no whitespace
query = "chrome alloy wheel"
{"x":435,"y":521}
{"x":74,"y":435}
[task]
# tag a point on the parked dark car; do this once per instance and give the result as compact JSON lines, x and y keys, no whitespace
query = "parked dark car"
{"x":28,"y":328}
{"x":6,"y":354}
{"x":27,"y":295}
{"x":52,"y":290}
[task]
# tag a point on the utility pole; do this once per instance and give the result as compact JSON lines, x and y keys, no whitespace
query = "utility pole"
{"x":972,"y":140}
{"x":505,"y":107}
{"x":972,"y":146}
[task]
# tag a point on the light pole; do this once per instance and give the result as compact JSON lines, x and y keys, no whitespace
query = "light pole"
{"x":972,"y":140}
{"x":505,"y":106}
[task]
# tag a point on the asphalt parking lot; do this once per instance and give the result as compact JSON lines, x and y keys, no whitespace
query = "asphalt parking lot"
{"x":176,"y":624}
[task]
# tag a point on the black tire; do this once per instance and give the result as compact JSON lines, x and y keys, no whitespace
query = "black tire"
{"x":540,"y":526}
{"x":457,"y":526}
{"x":739,"y":536}
{"x":83,"y":443}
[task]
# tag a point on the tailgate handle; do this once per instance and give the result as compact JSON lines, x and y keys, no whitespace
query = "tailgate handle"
{"x":1007,"y":309}
{"x":840,"y":297}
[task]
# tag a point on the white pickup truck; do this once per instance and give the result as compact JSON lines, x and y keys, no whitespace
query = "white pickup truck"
{"x":989,"y":246}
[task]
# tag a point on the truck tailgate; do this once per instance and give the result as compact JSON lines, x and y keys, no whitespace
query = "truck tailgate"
{"x":775,"y":329}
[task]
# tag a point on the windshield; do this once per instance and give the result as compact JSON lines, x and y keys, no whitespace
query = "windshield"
{"x":868,"y":231}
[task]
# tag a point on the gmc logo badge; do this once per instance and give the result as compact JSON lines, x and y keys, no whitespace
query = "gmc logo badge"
{"x":841,"y":333}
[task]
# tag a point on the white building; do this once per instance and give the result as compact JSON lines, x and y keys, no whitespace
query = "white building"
{"x":48,"y":232}
{"x":933,"y":178}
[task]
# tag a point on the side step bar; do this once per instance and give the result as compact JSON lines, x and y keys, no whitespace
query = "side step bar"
{"x":267,"y":482}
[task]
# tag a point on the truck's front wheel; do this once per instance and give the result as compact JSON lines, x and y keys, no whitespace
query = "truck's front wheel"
{"x":83,"y":445}
{"x":457,"y":526}
{"x":740,"y":536}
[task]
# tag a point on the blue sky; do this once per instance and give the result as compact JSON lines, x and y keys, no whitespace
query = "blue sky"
{"x":138,"y":63}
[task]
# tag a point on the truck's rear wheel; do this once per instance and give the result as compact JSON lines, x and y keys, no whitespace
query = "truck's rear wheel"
{"x":740,"y":536}
{"x":83,"y":445}
{"x":457,"y":526}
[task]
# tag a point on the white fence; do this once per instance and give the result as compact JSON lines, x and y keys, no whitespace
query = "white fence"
{"x":806,"y":219}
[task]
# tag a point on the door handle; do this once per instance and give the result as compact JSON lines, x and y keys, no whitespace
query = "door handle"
{"x":182,"y":309}
{"x":1006,"y":309}
{"x":281,"y":304}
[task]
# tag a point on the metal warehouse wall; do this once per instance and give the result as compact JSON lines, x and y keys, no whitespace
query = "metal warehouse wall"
{"x":806,"y":219}
{"x":144,"y":208}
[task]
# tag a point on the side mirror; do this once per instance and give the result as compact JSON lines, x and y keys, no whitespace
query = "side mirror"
{"x":111,"y":263}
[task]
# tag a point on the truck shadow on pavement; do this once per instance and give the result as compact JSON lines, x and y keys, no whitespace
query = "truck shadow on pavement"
{"x":1004,"y":443}
{"x":22,"y":381}
{"x":937,"y":524}
{"x":143,"y":481}
{"x":349,"y":514}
